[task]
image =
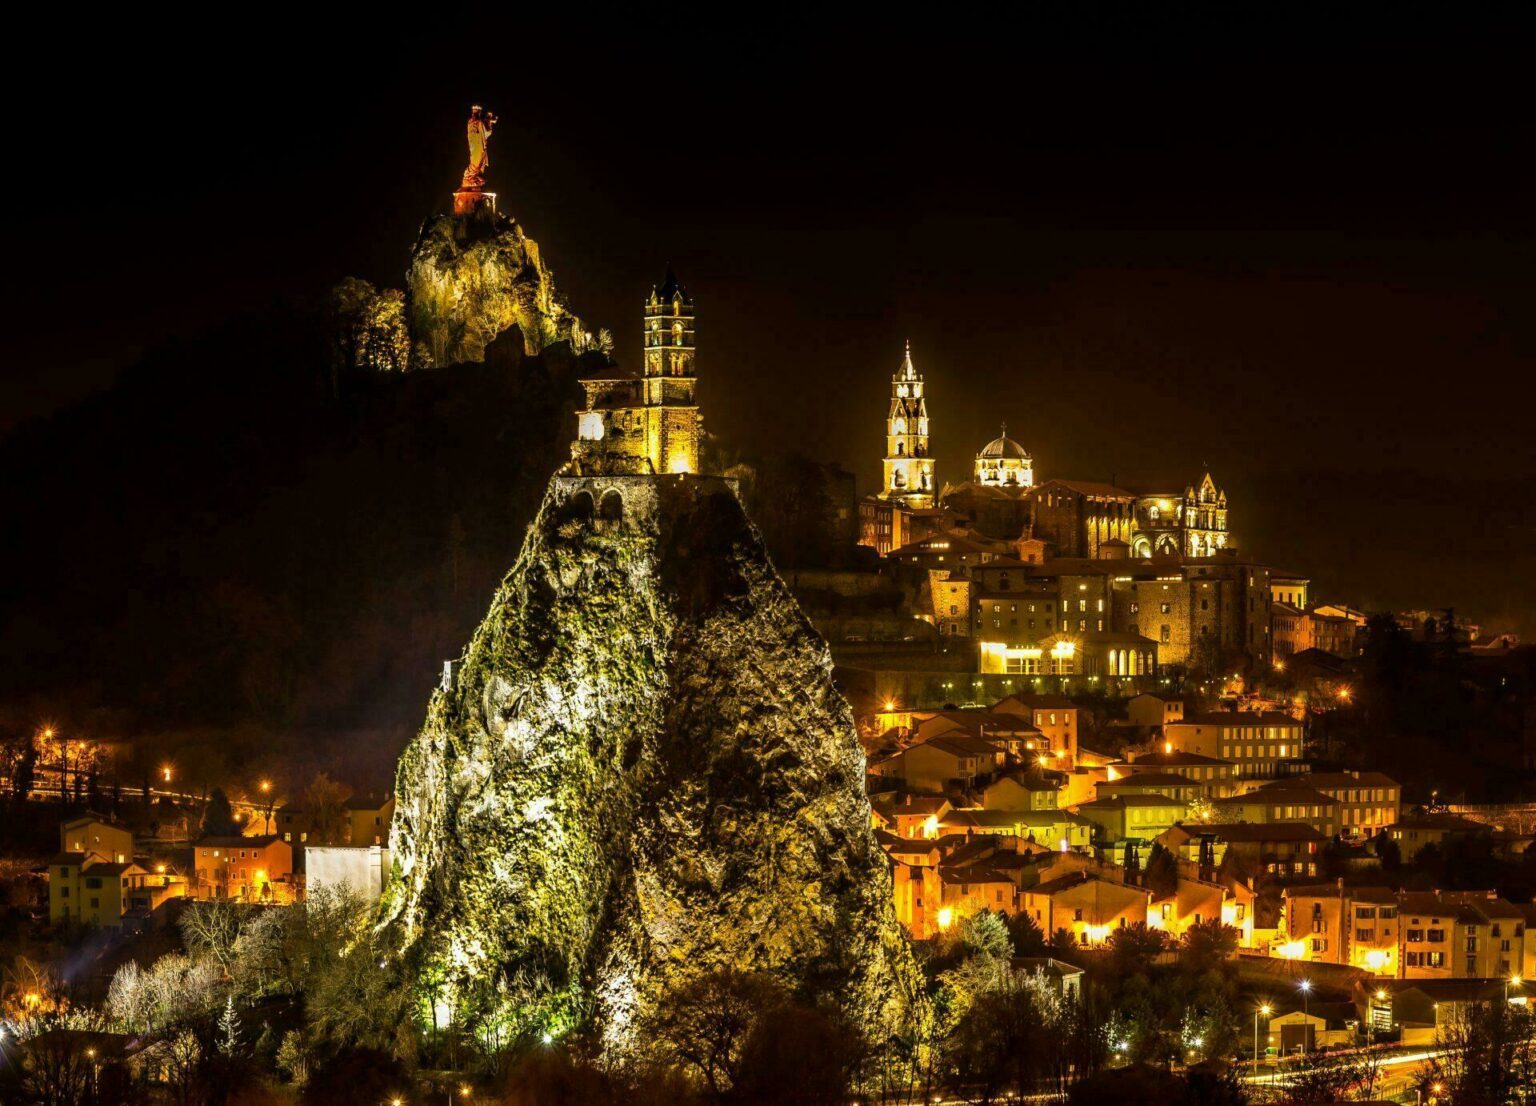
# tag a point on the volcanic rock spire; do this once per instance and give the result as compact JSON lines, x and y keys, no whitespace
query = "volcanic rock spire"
{"x":641,"y":772}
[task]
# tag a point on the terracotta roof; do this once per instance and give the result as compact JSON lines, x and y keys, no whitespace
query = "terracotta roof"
{"x":1237,"y":718}
{"x":961,"y":744}
{"x":1337,"y":779}
{"x":974,"y":874}
{"x":1333,"y":891}
{"x":1286,"y":793}
{"x":109,"y":869}
{"x":1120,"y":802}
{"x":1030,"y":781}
{"x":1151,"y":779}
{"x":1037,"y":702}
{"x":1248,"y":832}
{"x":259,"y":842}
{"x":1090,"y":488}
{"x":979,"y":718}
{"x":1190,"y":759}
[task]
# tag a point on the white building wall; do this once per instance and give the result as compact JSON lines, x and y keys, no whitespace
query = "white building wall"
{"x":364,"y":868}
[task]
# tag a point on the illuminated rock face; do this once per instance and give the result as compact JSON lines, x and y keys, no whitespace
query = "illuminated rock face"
{"x":641,"y":771}
{"x":469,"y":281}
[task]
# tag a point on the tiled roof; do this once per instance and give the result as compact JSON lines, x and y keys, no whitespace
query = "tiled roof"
{"x":1250,"y":832}
{"x":1237,"y":718}
{"x":259,"y":842}
{"x":1337,"y":779}
{"x":1287,"y":793}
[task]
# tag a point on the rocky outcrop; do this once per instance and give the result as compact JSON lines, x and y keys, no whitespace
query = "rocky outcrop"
{"x":640,"y":771}
{"x":469,"y":280}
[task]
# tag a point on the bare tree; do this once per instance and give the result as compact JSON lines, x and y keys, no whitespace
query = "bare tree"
{"x":702,"y":1027}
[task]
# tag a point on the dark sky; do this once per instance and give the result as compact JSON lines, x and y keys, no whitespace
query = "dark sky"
{"x":1309,"y":267}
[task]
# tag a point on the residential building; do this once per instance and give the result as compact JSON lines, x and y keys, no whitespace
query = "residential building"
{"x":1010,"y":732}
{"x":100,"y":838}
{"x":1055,"y":829}
{"x":1465,"y":935}
{"x":1282,"y":801}
{"x":1287,"y":587}
{"x":1087,"y":905}
{"x":1256,"y":742}
{"x":1142,"y":817}
{"x":1281,"y":849}
{"x":1055,"y":716}
{"x":1214,"y":776}
{"x":1416,"y":832}
{"x":1172,"y":785}
{"x":952,"y":549}
{"x":1368,"y":802}
{"x":951,"y":760}
{"x":86,"y":891}
{"x":368,"y":819}
{"x":1194,"y":902}
{"x":912,"y":816}
{"x":246,"y":869}
{"x":1153,"y":709}
{"x":1022,"y":790}
{"x":1332,"y":924}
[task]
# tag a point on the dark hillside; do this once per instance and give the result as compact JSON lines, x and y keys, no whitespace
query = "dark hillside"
{"x":230,"y":539}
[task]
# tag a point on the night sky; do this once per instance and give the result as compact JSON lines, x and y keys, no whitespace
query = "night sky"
{"x":1311,"y":270}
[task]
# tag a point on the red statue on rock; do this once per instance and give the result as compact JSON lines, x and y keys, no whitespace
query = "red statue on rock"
{"x":480,"y":124}
{"x":472,"y":200}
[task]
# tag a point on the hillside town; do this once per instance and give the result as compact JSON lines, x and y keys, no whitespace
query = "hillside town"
{"x":744,"y":784}
{"x":1088,"y":718}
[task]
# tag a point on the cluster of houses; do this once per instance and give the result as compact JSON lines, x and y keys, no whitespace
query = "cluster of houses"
{"x":1003,"y":808}
{"x":105,"y":876}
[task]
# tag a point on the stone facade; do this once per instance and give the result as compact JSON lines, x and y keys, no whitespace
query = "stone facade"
{"x":1197,"y":611}
{"x":649,"y":423}
{"x":908,"y":467}
{"x":615,"y":795}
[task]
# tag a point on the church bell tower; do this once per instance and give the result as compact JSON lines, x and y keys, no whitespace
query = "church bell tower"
{"x":645,"y":423}
{"x":908,"y":467}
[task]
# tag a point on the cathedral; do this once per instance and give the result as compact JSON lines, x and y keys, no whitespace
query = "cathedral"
{"x":1004,"y":500}
{"x":908,"y":469}
{"x":645,"y":423}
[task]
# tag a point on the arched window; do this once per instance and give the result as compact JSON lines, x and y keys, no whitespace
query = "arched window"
{"x":611,"y":509}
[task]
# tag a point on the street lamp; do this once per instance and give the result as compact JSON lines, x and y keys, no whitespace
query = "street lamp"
{"x":266,"y":790}
{"x":1265,"y":1010}
{"x":1512,"y":981}
{"x":1306,"y":993}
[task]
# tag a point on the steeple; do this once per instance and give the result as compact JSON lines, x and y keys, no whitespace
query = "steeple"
{"x":645,"y":423}
{"x":908,"y":468}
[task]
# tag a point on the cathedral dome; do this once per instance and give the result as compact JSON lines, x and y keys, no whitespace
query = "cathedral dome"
{"x":1004,"y":446}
